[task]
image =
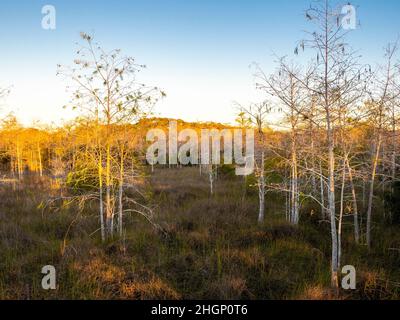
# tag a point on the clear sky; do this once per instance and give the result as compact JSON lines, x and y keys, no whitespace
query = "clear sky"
{"x":198,"y":51}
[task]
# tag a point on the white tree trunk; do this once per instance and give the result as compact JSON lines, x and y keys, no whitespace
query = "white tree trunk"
{"x":294,"y":192}
{"x":261,"y":189}
{"x":341,"y":214}
{"x":371,"y":189}
{"x":101,"y":206}
{"x":120,"y":209}
{"x":355,"y":206}
{"x":332,"y":214}
{"x":211,"y":178}
{"x":322,"y":188}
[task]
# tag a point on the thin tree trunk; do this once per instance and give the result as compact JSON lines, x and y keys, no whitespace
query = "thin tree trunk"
{"x":261,"y":190}
{"x":313,"y":177}
{"x":294,"y":192}
{"x":331,"y":156}
{"x":355,"y":206}
{"x":312,"y":143}
{"x":120,"y":209}
{"x":331,"y":166}
{"x":371,"y":189}
{"x":322,"y":188}
{"x":19,"y":162}
{"x":109,"y":211}
{"x":120,"y":193}
{"x":394,"y":156}
{"x":287,"y":201}
{"x":331,"y":202}
{"x":211,"y":178}
{"x":40,"y":161}
{"x":100,"y":172}
{"x":341,"y":214}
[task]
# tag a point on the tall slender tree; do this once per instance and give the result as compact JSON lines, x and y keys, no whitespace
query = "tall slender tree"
{"x":336,"y":77}
{"x":257,"y":116}
{"x":383,"y":97}
{"x":105,"y":88}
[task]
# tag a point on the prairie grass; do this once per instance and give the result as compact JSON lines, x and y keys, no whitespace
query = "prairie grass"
{"x":212,"y":247}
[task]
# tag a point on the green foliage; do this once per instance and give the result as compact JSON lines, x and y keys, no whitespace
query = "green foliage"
{"x":227,"y":171}
{"x":83,"y":179}
{"x":272,"y":165}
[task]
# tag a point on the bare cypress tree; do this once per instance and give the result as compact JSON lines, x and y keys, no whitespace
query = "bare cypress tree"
{"x":257,"y":114}
{"x":383,"y":96}
{"x":287,"y":91}
{"x":336,"y":76}
{"x":106,"y":90}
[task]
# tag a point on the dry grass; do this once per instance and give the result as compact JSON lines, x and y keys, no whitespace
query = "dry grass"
{"x":212,"y":248}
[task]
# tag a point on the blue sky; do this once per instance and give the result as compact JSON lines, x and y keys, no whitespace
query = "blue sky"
{"x":198,"y":51}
